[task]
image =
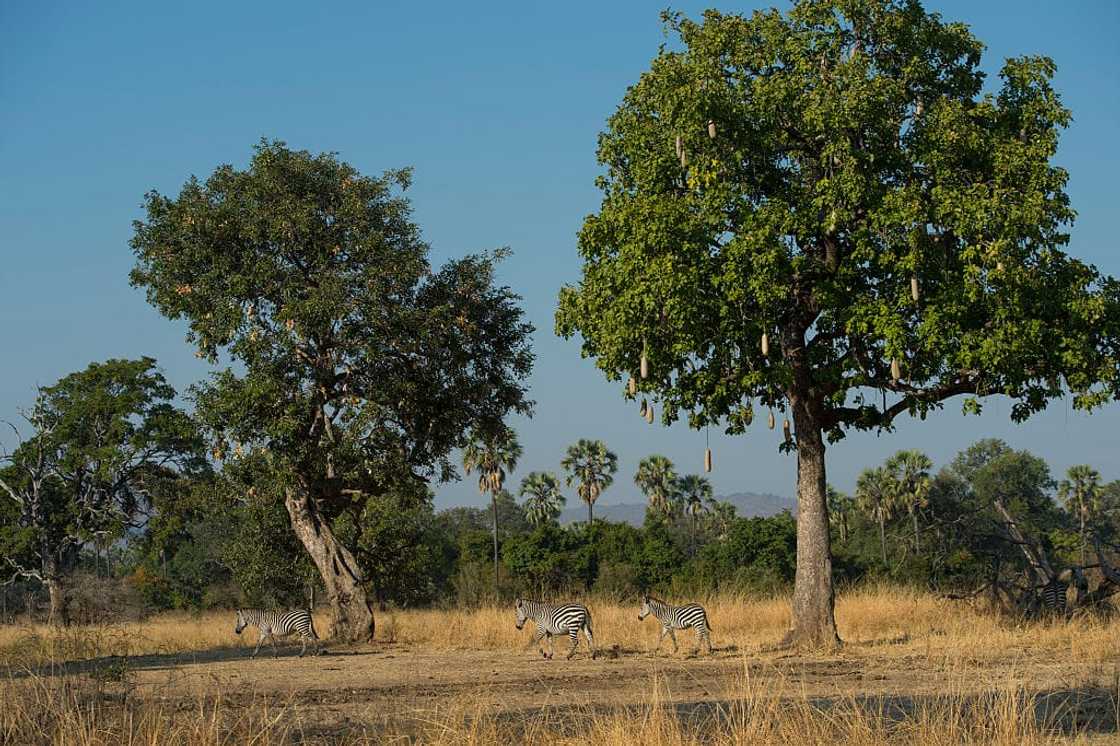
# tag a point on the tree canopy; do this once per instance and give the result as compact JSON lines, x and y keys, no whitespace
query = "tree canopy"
{"x":358,"y":364}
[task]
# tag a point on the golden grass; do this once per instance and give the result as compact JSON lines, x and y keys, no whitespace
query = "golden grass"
{"x":882,"y":621}
{"x":977,"y":701}
{"x":51,"y":711}
{"x":892,"y":621}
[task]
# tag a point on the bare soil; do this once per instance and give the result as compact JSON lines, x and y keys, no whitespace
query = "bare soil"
{"x":385,"y":685}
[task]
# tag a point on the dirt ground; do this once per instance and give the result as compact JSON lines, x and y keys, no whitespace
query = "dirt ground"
{"x":383,"y":685}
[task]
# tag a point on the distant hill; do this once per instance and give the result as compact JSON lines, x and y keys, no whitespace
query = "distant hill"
{"x":747,"y":505}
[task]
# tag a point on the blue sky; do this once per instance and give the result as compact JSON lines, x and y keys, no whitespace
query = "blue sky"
{"x":497,"y":107}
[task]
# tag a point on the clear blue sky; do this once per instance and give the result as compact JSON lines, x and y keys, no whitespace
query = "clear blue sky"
{"x":497,"y":106}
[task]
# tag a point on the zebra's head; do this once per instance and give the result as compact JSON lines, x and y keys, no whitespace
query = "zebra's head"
{"x":522,"y":614}
{"x":241,"y":622}
{"x":645,"y":610}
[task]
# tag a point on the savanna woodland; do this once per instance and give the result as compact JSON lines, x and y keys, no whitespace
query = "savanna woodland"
{"x":814,"y":222}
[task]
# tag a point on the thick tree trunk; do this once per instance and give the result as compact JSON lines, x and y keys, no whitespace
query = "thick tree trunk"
{"x":342,"y":578}
{"x":813,"y":623}
{"x":590,"y":512}
{"x":882,"y":538}
{"x":494,"y":504}
{"x":52,"y":575}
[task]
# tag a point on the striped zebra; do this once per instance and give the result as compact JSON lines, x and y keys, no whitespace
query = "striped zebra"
{"x":273,"y":624}
{"x":566,"y":619}
{"x":1053,"y":596}
{"x":677,"y":617}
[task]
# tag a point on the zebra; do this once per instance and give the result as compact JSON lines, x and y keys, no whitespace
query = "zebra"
{"x":677,"y":617}
{"x":1053,"y":596}
{"x":555,"y":620}
{"x":273,"y":624}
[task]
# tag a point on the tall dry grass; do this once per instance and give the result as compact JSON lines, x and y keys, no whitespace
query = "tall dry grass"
{"x":100,"y":706}
{"x":47,"y":711}
{"x":879,"y":621}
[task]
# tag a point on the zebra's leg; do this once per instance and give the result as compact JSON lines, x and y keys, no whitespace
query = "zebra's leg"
{"x":661,"y":638}
{"x":260,"y":639}
{"x":303,"y":647}
{"x":574,"y":635}
{"x":272,"y":638}
{"x":590,"y":640}
{"x":536,"y":639}
{"x":551,"y":647}
{"x":673,"y":637}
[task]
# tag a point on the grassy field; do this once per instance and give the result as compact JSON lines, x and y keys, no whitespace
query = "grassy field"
{"x":914,"y":669}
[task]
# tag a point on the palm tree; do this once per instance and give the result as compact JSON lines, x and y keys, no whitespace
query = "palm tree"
{"x":1082,"y":495}
{"x":492,"y":456}
{"x":839,"y":509}
{"x":873,"y":496}
{"x":590,"y":464}
{"x":543,"y":498}
{"x":694,"y":490}
{"x":657,"y":479}
{"x":909,"y":472}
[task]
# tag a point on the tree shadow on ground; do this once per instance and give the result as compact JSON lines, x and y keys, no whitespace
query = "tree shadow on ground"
{"x":164,"y":661}
{"x":1073,"y":711}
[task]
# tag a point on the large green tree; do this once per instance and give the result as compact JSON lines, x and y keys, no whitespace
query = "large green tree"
{"x":102,"y":441}
{"x":592,"y":466}
{"x":358,"y":365}
{"x":820,"y":211}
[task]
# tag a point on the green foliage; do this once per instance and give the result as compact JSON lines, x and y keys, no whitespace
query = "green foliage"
{"x":758,"y":556}
{"x":591,"y":466}
{"x":107,"y":442}
{"x":359,"y":366}
{"x":547,"y":560}
{"x":543,"y":500}
{"x":657,"y":479}
{"x":405,"y":557}
{"x":853,"y":152}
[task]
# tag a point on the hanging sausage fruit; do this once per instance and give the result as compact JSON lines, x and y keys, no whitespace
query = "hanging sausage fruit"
{"x":711,"y":129}
{"x":765,"y":344}
{"x":896,"y":370}
{"x":914,"y":288}
{"x":631,"y":386}
{"x":649,"y":414}
{"x":786,"y":430}
{"x":707,"y":459}
{"x":770,"y":421}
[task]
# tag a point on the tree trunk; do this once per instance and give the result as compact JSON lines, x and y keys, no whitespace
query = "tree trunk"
{"x":60,"y":610}
{"x":882,"y":536}
{"x":590,"y":512}
{"x":813,"y":623}
{"x":342,"y":578}
{"x":494,"y":503}
{"x":917,"y":545}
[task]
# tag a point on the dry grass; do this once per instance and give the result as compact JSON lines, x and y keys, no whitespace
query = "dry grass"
{"x":891,"y":621}
{"x":100,"y":705}
{"x":45,"y":711}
